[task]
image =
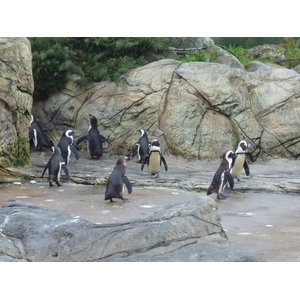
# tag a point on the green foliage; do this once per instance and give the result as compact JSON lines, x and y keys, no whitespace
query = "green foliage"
{"x":247,"y":42}
{"x":292,"y":50}
{"x":57,"y":59}
{"x":199,"y":56}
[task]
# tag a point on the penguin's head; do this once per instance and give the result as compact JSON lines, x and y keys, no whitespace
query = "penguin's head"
{"x":55,"y":150}
{"x":93,"y":120}
{"x":122,"y":160}
{"x":242,"y":147}
{"x":69,"y":133}
{"x":228,"y":155}
{"x":155,"y":145}
{"x":143,"y":132}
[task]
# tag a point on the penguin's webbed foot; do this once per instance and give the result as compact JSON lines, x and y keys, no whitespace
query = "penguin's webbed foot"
{"x":222,"y":196}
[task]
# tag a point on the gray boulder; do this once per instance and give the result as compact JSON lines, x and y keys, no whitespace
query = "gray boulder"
{"x":188,"y":231}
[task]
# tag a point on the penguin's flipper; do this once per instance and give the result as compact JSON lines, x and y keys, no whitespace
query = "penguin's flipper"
{"x":146,"y":161}
{"x":81,"y":139}
{"x":127,"y":183}
{"x":103,"y":139}
{"x":251,"y":156}
{"x":75,"y":151}
{"x":135,"y":150}
{"x":246,"y":168}
{"x":164,"y":162}
{"x":65,"y":168}
{"x":45,"y":169}
{"x":229,"y":178}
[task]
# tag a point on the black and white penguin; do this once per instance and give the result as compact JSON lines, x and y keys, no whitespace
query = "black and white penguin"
{"x":66,"y":145}
{"x":37,"y":136}
{"x":94,"y":139}
{"x":222,"y":176}
{"x":55,"y":164}
{"x":116,"y":181}
{"x":240,"y":162}
{"x":154,"y":159}
{"x":141,"y":148}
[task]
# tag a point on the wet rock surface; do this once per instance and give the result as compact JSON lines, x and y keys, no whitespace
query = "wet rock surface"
{"x":260,"y":217}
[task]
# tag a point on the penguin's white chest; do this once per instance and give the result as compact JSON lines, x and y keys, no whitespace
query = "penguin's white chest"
{"x":238,"y":166}
{"x":154,"y":163}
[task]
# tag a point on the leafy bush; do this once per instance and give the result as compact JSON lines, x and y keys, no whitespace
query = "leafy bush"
{"x":292,"y":51}
{"x":56,"y":60}
{"x":199,"y":56}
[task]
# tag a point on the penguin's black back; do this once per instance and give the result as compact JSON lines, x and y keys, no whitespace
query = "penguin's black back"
{"x":95,"y":143}
{"x":114,"y":186}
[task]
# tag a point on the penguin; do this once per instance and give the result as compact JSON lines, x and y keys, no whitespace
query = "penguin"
{"x":55,"y":164}
{"x":142,"y":146}
{"x":239,"y":161}
{"x":66,"y":145}
{"x":117,"y":179}
{"x":222,"y":176}
{"x":154,"y":159}
{"x":94,"y":138}
{"x":37,"y":136}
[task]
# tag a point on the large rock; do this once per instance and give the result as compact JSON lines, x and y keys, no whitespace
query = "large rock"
{"x":197,"y":109}
{"x":16,"y":89}
{"x":268,"y":52}
{"x":187,"y":231}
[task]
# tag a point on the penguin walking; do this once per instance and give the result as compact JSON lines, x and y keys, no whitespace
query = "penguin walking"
{"x":222,"y":176}
{"x":154,"y":159}
{"x":239,"y":162}
{"x":66,"y":145}
{"x":55,"y":164}
{"x":94,"y":138}
{"x":37,"y":136}
{"x":141,"y":148}
{"x":116,"y":181}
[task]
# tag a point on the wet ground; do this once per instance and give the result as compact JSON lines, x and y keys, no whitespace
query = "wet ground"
{"x":261,"y":214}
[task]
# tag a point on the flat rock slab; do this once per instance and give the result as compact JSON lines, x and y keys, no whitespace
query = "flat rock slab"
{"x":180,"y":232}
{"x":260,"y":217}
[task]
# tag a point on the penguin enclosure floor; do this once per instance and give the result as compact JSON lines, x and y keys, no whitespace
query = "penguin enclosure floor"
{"x":261,"y":214}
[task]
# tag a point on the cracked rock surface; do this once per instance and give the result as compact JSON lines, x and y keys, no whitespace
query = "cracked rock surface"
{"x":196,"y":109}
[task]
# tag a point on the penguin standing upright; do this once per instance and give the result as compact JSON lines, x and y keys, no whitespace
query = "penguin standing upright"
{"x":142,"y":146}
{"x":116,"y":181}
{"x":94,"y":138}
{"x":66,"y":145}
{"x":55,"y":164}
{"x":154,"y":159}
{"x":222,"y":176}
{"x":239,"y":162}
{"x":36,"y":134}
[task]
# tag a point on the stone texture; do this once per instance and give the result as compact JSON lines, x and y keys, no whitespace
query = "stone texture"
{"x":187,"y":231}
{"x":16,"y":89}
{"x":196,"y":109}
{"x":267,"y":52}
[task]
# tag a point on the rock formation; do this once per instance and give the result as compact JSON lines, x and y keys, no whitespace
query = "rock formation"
{"x":188,"y":231}
{"x":196,"y":109}
{"x":16,"y":89}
